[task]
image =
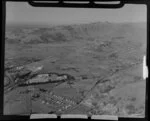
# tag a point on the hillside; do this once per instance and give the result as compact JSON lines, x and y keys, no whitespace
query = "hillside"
{"x":103,"y":30}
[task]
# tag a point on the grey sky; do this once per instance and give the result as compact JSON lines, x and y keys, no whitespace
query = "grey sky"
{"x":23,"y":12}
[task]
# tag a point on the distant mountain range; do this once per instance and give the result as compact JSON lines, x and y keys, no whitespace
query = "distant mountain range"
{"x":65,"y":33}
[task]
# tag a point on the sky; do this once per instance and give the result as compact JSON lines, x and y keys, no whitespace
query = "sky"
{"x":22,"y":12}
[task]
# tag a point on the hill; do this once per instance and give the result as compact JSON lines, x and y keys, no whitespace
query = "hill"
{"x":91,"y":31}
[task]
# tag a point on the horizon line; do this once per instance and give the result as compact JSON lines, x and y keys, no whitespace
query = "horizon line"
{"x":59,"y":24}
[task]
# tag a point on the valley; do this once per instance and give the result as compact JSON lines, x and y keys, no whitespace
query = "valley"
{"x":93,"y":68}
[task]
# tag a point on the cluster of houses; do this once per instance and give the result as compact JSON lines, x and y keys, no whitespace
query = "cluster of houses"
{"x":48,"y":98}
{"x":60,"y":102}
